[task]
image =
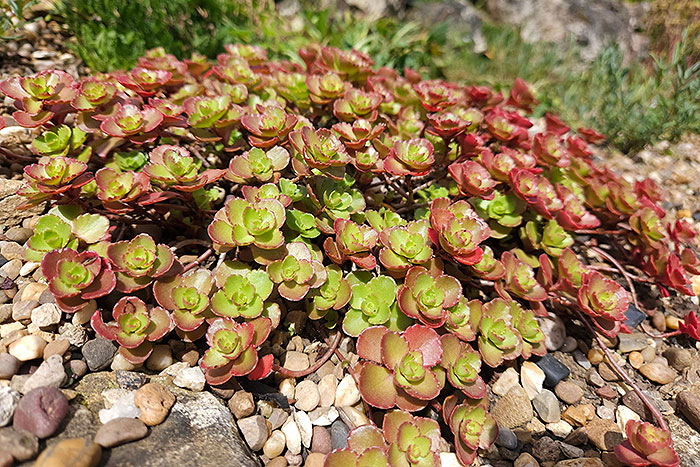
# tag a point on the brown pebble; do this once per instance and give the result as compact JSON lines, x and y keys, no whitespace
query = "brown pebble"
{"x":604,"y":434}
{"x":568,"y":392}
{"x":607,"y":372}
{"x":277,"y":462}
{"x":688,"y":403}
{"x":191,"y":357}
{"x":315,"y":459}
{"x":155,"y":402}
{"x":595,"y":356}
{"x":607,"y":392}
{"x":74,"y":452}
{"x":57,"y":347}
{"x":672,"y":322}
{"x":636,"y":359}
{"x":659,"y":321}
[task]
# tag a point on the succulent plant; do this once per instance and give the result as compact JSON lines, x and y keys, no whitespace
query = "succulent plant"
{"x":648,"y":226}
{"x":320,"y":150}
{"x":474,"y":428}
{"x":356,"y":104}
{"x":130,"y":121}
{"x":427,"y":295}
{"x":503,"y":212}
{"x":462,"y":365}
{"x":186,"y":296}
{"x":333,"y":294}
{"x":37,"y":92}
{"x":354,"y":242}
{"x":297,"y":273}
{"x":499,"y":339}
{"x":61,"y":141}
{"x":458,"y":230}
{"x":356,"y":135}
{"x":536,"y":190}
{"x":520,"y":279}
{"x":605,"y":301}
{"x":173,"y":167}
{"x":55,"y":175}
{"x":473,"y":179}
{"x":138,"y":262}
{"x":117,"y":189}
{"x":269,"y":126}
{"x":366,"y":446}
{"x":373,"y":303}
{"x":325,"y":88}
{"x":404,"y":246}
{"x":258,"y":165}
{"x":646,"y":445}
{"x":412,"y":157}
{"x":241,"y":223}
{"x":413,"y":441}
{"x":50,"y":233}
{"x":690,"y":326}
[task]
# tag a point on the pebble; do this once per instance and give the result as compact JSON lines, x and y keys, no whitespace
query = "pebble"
{"x":277,"y":418}
{"x":275,"y":444}
{"x":634,"y":317}
{"x":18,"y":234}
{"x":649,"y":353}
{"x":57,"y":347}
{"x":5,"y":309}
{"x":76,"y":452}
{"x":347,"y":392}
{"x":326,"y":388}
{"x":41,"y":412}
{"x":631,"y":342}
{"x":293,"y":459}
{"x":49,"y":374}
{"x":568,"y":392}
{"x":546,"y":449}
{"x":120,"y":431}
{"x":636,"y":360}
{"x":295,"y":361}
{"x":507,"y":439}
{"x":77,"y":368}
{"x":75,"y":334}
{"x":22,"y":311}
{"x":83,"y":315}
{"x":353,"y":417}
{"x":607,"y":372}
{"x":46,"y":315}
{"x":320,"y":440}
{"x":315,"y":459}
{"x":33,"y":291}
{"x":514,"y":409}
{"x":121,"y":363}
{"x":688,"y":403}
{"x":22,"y":445}
{"x":190,"y":378}
{"x":277,"y":462}
{"x":154,"y":402}
{"x":11,"y":268}
{"x":305,"y":428}
{"x":531,"y":379}
{"x":577,"y":437}
{"x":191,"y":357}
{"x":28,"y":268}
{"x":254,"y":431}
{"x":672,"y":322}
{"x":605,"y":412}
{"x":560,"y":429}
{"x":658,"y":371}
{"x":604,"y":434}
{"x":307,"y":396}
{"x":160,"y":359}
{"x":569,"y":345}
{"x":506,"y":382}
{"x":27,"y":348}
{"x":554,"y":370}
{"x":547,"y":406}
{"x":242,"y":405}
{"x":623,"y":415}
{"x":578,"y":415}
{"x":581,"y":359}
{"x":9,"y":398}
{"x":323,"y":416}
{"x":9,"y":364}
{"x":98,"y":353}
{"x":526,"y":460}
{"x":124,"y":407}
{"x":292,"y":436}
{"x":130,"y":380}
{"x":339,"y":435}
{"x":595,"y":356}
{"x":570,"y":451}
{"x":594,"y":378}
{"x":607,"y":392}
{"x":678,"y":358}
{"x":659,"y":321}
{"x":286,"y":387}
{"x":554,"y":332}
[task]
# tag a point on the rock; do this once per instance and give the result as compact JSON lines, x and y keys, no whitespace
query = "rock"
{"x":607,"y":393}
{"x":323,"y":416}
{"x":531,"y":379}
{"x":672,"y":322}
{"x":353,"y":417}
{"x":22,"y":445}
{"x":18,"y":234}
{"x":75,"y":334}
{"x":595,"y":356}
{"x":320,"y":440}
{"x":41,"y":412}
{"x":658,"y":371}
{"x":631,"y":342}
{"x":560,"y":429}
{"x":98,"y":353}
{"x":506,"y":382}
{"x":76,"y":452}
{"x":254,"y":430}
{"x":582,"y":462}
{"x":277,"y":462}
{"x":327,"y":387}
{"x":190,"y":378}
{"x":507,"y":439}
{"x":688,"y":403}
{"x":27,"y":348}
{"x":292,"y":436}
{"x":634,"y":316}
{"x":578,"y":415}
{"x":160,"y":359}
{"x":293,"y":459}
{"x":22,"y":310}
{"x":339,"y":435}
{"x":315,"y":459}
{"x":604,"y":434}
{"x":305,"y":428}
{"x":10,"y":215}
{"x":154,"y":401}
{"x":11,"y":269}
{"x":119,"y":431}
{"x":287,"y":387}
{"x":514,"y":409}
{"x":594,"y":378}
{"x":50,"y":374}
{"x":636,"y":360}
{"x":277,"y":418}
{"x":624,"y":414}
{"x":547,"y":406}
{"x":553,"y":369}
{"x":242,"y":405}
{"x":46,"y":315}
{"x":275,"y":444}
{"x":295,"y":361}
{"x":605,"y":412}
{"x":124,"y":407}
{"x":9,"y":364}
{"x":77,"y":368}
{"x":130,"y":380}
{"x":9,"y":398}
{"x":347,"y":392}
{"x":33,"y":291}
{"x":554,"y":331}
{"x":678,"y":358}
{"x":546,"y":449}
{"x":606,"y":371}
{"x":686,"y":440}
{"x":569,"y":345}
{"x":570,"y":451}
{"x":307,"y":396}
{"x":526,"y":460}
{"x":568,"y":392}
{"x":119,"y":363}
{"x":57,"y":347}
{"x":581,"y":359}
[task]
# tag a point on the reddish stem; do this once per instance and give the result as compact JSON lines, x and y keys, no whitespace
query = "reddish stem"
{"x":301,"y":373}
{"x":199,"y":260}
{"x":659,"y":336}
{"x":624,"y":273}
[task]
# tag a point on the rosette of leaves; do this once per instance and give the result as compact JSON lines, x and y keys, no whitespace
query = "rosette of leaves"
{"x":242,"y":223}
{"x":338,"y":201}
{"x":172,"y":112}
{"x":321,"y":150}
{"x":405,"y":246}
{"x":452,"y":122}
{"x":131,"y":160}
{"x":648,"y":226}
{"x":410,"y":157}
{"x":132,"y":122}
{"x":268,"y":191}
{"x":61,"y":140}
{"x":352,"y":241}
{"x":117,"y":189}
{"x":243,"y":293}
{"x":499,"y":165}
{"x":426,"y":295}
{"x":508,"y":127}
{"x":187,"y":297}
{"x":269,"y":126}
{"x":258,"y":165}
{"x":64,"y":227}
{"x":55,"y":175}
{"x":325,"y":88}
{"x":400,"y":369}
{"x":499,"y":339}
{"x":139,"y":261}
{"x":304,"y":223}
{"x":144,"y":81}
{"x":356,"y":135}
{"x":366,"y":447}
{"x":236,"y":70}
{"x":356,"y":104}
{"x":473,"y":179}
{"x":209,"y":112}
{"x":605,"y":301}
{"x":77,"y":278}
{"x":548,"y":151}
{"x":462,"y":365}
{"x":135,"y":327}
{"x":473,"y":427}
{"x":297,"y":273}
{"x":574,"y":215}
{"x":373,"y":303}
{"x":37,"y":95}
{"x":333,"y":294}
{"x":552,"y":238}
{"x":458,"y":230}
{"x":536,"y":190}
{"x":646,"y":444}
{"x":520,"y":279}
{"x":92,"y":94}
{"x":173,"y":167}
{"x":526,"y":324}
{"x":384,"y":219}
{"x":503,"y":212}
{"x":437,"y":94}
{"x":570,"y":272}
{"x":488,"y":268}
{"x":463,"y":319}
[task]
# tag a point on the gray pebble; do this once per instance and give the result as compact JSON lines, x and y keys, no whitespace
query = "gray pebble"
{"x":99,"y":353}
{"x":339,"y":435}
{"x":8,"y":365}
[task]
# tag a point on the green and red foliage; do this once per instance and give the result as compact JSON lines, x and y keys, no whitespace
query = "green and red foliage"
{"x":379,"y":203}
{"x":646,"y":445}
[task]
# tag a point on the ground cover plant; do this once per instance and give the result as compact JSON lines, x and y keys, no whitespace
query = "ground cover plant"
{"x":428,"y":221}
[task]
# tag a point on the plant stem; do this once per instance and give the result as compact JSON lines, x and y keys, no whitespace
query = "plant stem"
{"x":301,"y":373}
{"x":624,"y":273}
{"x":199,"y":260}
